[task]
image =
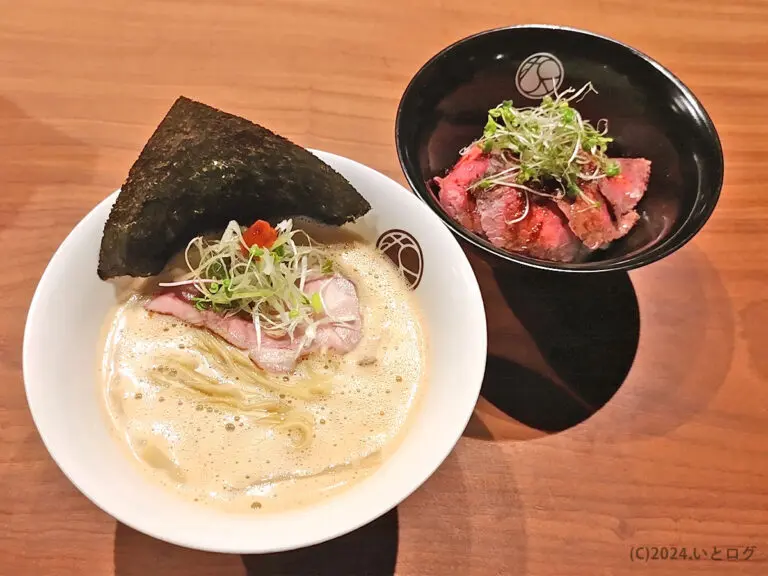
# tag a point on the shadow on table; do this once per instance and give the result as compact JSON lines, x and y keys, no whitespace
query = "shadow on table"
{"x":36,"y":159}
{"x":472,"y":502}
{"x":468,"y":518}
{"x":685,"y":351}
{"x":560,"y":345}
{"x":368,"y":551}
{"x":754,"y":319}
{"x":137,"y":554}
{"x":36,"y":155}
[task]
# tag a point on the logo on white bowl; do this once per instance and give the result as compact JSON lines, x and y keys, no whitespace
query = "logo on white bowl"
{"x":539,"y":75}
{"x":404,"y":250}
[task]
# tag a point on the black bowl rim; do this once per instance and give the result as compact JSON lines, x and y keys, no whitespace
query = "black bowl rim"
{"x":644,"y":257}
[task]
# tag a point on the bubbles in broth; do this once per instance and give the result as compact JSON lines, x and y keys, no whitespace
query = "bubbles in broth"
{"x":254,"y":448}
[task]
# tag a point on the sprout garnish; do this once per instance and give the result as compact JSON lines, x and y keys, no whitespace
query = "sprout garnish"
{"x":547,"y":144}
{"x":264,"y":282}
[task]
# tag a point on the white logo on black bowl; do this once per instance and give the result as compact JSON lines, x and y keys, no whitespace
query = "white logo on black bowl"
{"x":539,"y":74}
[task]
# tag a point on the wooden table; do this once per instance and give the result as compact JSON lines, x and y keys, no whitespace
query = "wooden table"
{"x":676,"y":456}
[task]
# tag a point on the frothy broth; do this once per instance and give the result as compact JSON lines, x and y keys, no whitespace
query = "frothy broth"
{"x":223,"y":456}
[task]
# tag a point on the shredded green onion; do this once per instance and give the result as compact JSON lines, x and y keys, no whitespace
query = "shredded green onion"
{"x":266,"y":283}
{"x":316,"y":302}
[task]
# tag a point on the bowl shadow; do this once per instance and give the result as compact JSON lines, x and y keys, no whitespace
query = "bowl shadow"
{"x":685,"y":353}
{"x":560,"y":345}
{"x":466,"y":507}
{"x":136,"y":554}
{"x":440,"y":524}
{"x":368,"y":551}
{"x":36,"y":158}
{"x":37,"y":162}
{"x":753,"y":318}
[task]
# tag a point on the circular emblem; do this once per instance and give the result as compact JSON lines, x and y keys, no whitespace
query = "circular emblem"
{"x":539,"y":74}
{"x":403,"y":249}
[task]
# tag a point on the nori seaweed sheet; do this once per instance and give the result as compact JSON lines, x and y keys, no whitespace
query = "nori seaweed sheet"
{"x":202,"y":168}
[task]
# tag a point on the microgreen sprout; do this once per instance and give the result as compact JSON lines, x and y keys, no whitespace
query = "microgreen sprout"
{"x":266,"y":283}
{"x":549,"y":146}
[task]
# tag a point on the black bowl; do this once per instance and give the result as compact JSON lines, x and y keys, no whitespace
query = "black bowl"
{"x":650,"y":114}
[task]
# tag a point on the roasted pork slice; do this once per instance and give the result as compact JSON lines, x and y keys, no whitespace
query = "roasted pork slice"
{"x":590,"y":220}
{"x":542,"y":233}
{"x":276,"y":354}
{"x":342,"y":330}
{"x":339,"y":331}
{"x":236,"y":330}
{"x":627,"y":189}
{"x":453,"y":193}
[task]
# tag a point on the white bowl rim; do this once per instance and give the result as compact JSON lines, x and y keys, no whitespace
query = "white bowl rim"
{"x":382,"y":505}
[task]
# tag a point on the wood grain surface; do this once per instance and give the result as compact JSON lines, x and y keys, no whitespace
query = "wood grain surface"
{"x":542,"y":483}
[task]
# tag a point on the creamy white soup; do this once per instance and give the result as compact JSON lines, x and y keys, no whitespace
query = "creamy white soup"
{"x":195,"y":421}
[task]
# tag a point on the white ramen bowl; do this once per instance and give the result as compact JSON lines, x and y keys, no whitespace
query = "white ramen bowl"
{"x":61,"y":357}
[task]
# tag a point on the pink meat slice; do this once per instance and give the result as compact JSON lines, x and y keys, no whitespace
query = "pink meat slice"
{"x":340,"y":333}
{"x":236,"y":330}
{"x":276,"y":354}
{"x":627,"y":189}
{"x":591,"y":221}
{"x":453,"y":195}
{"x":344,"y":330}
{"x":543,"y":233}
